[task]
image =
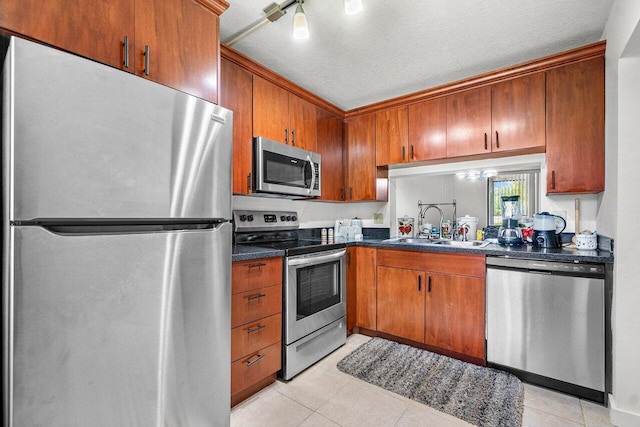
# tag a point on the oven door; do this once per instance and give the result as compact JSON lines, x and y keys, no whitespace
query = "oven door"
{"x":315,"y":292}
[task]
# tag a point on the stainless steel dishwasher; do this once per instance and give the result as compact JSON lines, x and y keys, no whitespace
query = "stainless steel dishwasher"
{"x":546,"y":323}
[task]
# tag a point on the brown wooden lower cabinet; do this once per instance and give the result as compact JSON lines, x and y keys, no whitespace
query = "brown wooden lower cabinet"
{"x":256,"y":322}
{"x":254,"y":367}
{"x":361,"y":287}
{"x":401,"y":302}
{"x":432,"y":298}
{"x":455,"y":314}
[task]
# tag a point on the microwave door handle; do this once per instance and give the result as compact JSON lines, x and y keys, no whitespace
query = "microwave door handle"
{"x":313,"y":174}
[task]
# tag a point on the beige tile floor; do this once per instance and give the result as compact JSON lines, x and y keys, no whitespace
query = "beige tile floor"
{"x":324,"y":396}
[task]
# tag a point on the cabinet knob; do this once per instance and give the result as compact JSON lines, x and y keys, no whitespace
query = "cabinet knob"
{"x":485,"y":141}
{"x":553,"y":180}
{"x":411,"y":152}
{"x":286,"y":135}
{"x":497,"y":140}
{"x":293,"y":137}
{"x":403,"y":152}
{"x":419,"y":283}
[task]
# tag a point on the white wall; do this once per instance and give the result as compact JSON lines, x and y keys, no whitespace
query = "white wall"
{"x":316,"y":214}
{"x":621,"y":201}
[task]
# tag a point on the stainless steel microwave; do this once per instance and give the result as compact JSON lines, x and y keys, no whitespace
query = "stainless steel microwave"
{"x":282,"y":169}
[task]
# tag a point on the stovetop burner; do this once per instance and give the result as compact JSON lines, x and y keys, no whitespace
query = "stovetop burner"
{"x":276,"y":230}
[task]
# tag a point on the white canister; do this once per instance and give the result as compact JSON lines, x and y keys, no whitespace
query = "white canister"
{"x":587,"y":242}
{"x":467,"y":227}
{"x":405,"y":227}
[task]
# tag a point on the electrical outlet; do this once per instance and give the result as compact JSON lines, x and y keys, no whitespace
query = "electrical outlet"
{"x":378,"y":218}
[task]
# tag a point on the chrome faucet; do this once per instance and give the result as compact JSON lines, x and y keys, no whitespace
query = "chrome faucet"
{"x":423,"y":212}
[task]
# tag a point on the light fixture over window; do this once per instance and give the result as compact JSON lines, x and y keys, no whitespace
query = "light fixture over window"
{"x":351,"y":7}
{"x":300,"y":25}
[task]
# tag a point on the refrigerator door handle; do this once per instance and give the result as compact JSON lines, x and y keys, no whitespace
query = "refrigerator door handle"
{"x":89,"y":229}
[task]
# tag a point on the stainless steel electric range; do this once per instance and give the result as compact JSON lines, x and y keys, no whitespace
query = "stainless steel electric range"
{"x":314,"y":294}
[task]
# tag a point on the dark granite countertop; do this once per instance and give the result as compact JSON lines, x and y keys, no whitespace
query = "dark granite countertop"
{"x":524,"y":251}
{"x":245,"y":253}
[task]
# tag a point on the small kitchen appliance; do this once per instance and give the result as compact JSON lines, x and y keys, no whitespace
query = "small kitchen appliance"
{"x":283,"y":170}
{"x":509,"y":234}
{"x":510,"y":207}
{"x":547,"y":229}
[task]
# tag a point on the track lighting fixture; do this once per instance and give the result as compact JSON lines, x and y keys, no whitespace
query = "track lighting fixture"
{"x":275,"y":11}
{"x":300,"y":25}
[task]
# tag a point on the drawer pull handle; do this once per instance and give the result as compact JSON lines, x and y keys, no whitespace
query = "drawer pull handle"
{"x":262,"y":264}
{"x":257,"y":359}
{"x":256,"y":329}
{"x":256,"y":296}
{"x":429,"y":285}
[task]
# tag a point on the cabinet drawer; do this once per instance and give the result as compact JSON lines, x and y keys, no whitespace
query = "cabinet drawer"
{"x":258,"y":273}
{"x":255,"y":367}
{"x":253,"y":336}
{"x":253,"y":305}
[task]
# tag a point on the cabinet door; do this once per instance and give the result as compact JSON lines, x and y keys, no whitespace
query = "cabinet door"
{"x":575,"y":128}
{"x":236,"y":90}
{"x":183,"y":46}
{"x":94,"y":29}
{"x":303,"y":123}
{"x":270,"y":111}
{"x":455,"y":313}
{"x":401,"y":302}
{"x":469,"y":122}
{"x":428,"y":130}
{"x":517,"y":113}
{"x":363,"y":268}
{"x":391,"y":136}
{"x":331,"y":148}
{"x":361,"y":158}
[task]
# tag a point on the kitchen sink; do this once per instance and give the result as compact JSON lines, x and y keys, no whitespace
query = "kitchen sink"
{"x":462,"y":244}
{"x":454,"y":243}
{"x":409,"y":241}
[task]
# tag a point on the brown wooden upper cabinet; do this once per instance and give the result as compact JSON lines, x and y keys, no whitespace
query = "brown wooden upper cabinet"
{"x":469,"y":122}
{"x":392,"y":136}
{"x":331,"y":148}
{"x":236,"y":94}
{"x":363,"y":182}
{"x":282,"y":116}
{"x":575,"y":128}
{"x":505,"y":116}
{"x":173,"y":43}
{"x":518,"y":113}
{"x":428,"y":130}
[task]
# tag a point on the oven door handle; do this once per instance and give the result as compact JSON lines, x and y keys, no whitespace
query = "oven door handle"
{"x":315,"y":259}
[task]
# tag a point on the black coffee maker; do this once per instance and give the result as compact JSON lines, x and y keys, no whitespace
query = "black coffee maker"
{"x":547,"y":229}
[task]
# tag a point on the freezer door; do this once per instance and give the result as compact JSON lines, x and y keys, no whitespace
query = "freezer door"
{"x":84,"y":140}
{"x":115,"y":330}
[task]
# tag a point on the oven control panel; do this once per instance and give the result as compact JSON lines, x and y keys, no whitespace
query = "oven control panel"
{"x":249,"y":220}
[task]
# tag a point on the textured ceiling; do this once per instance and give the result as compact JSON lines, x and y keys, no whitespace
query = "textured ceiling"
{"x":397,"y":47}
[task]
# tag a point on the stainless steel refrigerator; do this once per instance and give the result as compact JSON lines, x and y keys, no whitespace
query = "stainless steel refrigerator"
{"x":116,"y":247}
